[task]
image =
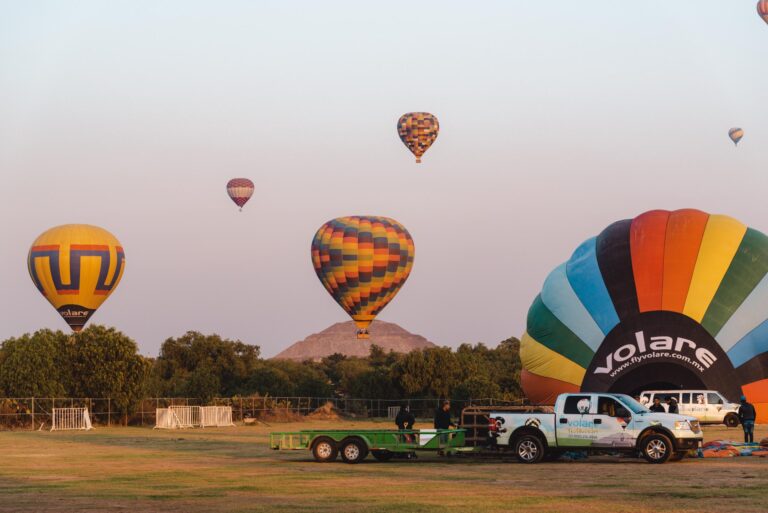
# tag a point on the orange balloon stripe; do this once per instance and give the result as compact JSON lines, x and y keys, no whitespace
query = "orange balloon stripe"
{"x":646,"y":238}
{"x":685,"y":230}
{"x":543,"y":390}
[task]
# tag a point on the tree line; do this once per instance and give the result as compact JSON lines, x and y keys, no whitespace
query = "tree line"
{"x":103,"y":362}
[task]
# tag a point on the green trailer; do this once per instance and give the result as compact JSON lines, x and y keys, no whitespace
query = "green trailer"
{"x":354,"y":445}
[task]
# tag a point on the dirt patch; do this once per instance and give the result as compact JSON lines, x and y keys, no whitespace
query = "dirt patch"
{"x":325,"y":412}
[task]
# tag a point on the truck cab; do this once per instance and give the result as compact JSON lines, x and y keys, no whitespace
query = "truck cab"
{"x":599,"y":422}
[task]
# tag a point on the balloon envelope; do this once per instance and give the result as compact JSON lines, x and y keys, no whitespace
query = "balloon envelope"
{"x":762,"y":9}
{"x":736,"y":134}
{"x":76,"y":267}
{"x":418,"y":130}
{"x":362,"y":261}
{"x":668,"y":299}
{"x":240,"y":191}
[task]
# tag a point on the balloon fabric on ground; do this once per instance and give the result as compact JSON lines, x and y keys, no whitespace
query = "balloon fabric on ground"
{"x":362,"y":261}
{"x":76,"y":267}
{"x":664,"y":297}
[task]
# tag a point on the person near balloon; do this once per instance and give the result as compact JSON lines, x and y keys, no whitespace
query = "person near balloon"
{"x":405,"y":421}
{"x":657,"y":407}
{"x":672,"y":405}
{"x":747,"y":417}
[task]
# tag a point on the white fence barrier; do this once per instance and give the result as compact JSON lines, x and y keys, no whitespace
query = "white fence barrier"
{"x":392,"y":411}
{"x":66,"y":419}
{"x":178,"y":417}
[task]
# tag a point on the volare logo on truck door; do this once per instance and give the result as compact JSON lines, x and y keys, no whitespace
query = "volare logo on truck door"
{"x":654,"y":347}
{"x":657,"y":347}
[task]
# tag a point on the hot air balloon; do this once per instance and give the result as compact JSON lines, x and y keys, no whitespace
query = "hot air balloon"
{"x":76,"y":267}
{"x":762,"y":9}
{"x":664,"y":300}
{"x":736,"y":134}
{"x":362,"y":261}
{"x":240,"y":191}
{"x":418,"y":130}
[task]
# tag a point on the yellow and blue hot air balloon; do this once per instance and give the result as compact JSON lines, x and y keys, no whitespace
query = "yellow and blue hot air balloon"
{"x":362,"y":261}
{"x":664,"y":300}
{"x":76,"y":267}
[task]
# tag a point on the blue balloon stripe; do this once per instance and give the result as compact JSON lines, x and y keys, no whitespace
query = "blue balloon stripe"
{"x":558,"y":295}
{"x":755,"y":343}
{"x":587,"y":282}
{"x":746,"y":318}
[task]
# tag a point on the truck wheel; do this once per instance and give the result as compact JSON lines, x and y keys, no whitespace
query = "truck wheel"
{"x":383,"y":455}
{"x":324,"y":449}
{"x":353,"y":451}
{"x":529,"y":449}
{"x":731,"y":420}
{"x":656,"y":448}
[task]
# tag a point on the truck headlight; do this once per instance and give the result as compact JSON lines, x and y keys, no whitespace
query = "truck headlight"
{"x":682,"y":424}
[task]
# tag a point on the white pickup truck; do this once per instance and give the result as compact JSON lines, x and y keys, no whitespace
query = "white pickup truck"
{"x":597,"y":422}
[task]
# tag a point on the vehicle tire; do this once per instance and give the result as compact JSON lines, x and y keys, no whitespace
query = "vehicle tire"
{"x":731,"y":420}
{"x":324,"y":449}
{"x":353,"y":450}
{"x":528,"y":449}
{"x":383,"y":454}
{"x":656,"y":448}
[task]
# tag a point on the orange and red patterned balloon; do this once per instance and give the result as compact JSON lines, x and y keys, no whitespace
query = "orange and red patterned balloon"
{"x":762,"y":9}
{"x":418,"y":130}
{"x":362,"y":261}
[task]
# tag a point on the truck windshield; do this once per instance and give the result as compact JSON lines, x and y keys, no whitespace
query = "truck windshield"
{"x":630,"y":403}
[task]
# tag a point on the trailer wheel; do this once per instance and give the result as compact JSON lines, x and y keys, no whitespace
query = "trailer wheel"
{"x":529,"y":449}
{"x":324,"y":449}
{"x":731,"y":420}
{"x":383,"y":454}
{"x":656,"y":448}
{"x":353,"y":450}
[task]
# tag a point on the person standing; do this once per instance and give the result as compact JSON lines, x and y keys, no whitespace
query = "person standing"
{"x":443,"y":416}
{"x":747,"y":417}
{"x":672,"y":405}
{"x":657,"y":407}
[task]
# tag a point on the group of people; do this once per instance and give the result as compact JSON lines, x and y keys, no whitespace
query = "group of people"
{"x":659,"y":408}
{"x":405,"y":420}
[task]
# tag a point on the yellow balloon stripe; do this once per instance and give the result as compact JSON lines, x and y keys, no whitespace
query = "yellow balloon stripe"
{"x":721,"y":240}
{"x":539,"y":359}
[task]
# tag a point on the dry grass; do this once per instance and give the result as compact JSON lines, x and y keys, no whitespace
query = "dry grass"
{"x":232,"y":470}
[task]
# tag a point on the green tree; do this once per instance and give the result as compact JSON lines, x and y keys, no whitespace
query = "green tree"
{"x":32,"y":365}
{"x":197,"y":365}
{"x":103,"y":362}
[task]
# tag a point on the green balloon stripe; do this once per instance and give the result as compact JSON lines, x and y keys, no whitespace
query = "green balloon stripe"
{"x":748,"y":267}
{"x":547,"y":329}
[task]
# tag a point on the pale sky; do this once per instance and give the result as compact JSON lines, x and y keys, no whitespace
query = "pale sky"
{"x":557,"y":118}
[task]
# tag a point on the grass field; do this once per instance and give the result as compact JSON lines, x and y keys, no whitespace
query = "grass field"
{"x":232,"y":470}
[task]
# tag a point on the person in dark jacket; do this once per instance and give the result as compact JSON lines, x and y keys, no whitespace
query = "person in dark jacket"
{"x":657,"y":407}
{"x":405,"y":419}
{"x":672,"y":405}
{"x":747,"y":417}
{"x":443,"y":416}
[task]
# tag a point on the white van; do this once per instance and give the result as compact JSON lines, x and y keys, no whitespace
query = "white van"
{"x":709,"y":406}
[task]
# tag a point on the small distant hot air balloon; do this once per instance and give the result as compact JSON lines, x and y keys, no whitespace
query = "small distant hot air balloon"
{"x":762,"y":9}
{"x":418,"y":130}
{"x":240,"y":191}
{"x":736,"y":134}
{"x":76,"y":267}
{"x":362,"y":261}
